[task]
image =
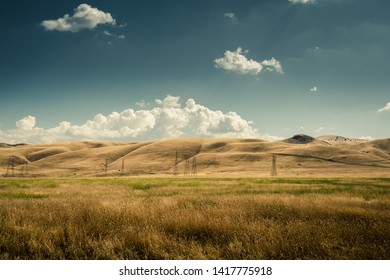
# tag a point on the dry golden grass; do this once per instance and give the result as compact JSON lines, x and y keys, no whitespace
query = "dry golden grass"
{"x":215,"y":158}
{"x":194,"y":218}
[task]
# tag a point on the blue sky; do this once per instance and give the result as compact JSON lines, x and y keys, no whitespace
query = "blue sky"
{"x":145,"y":70}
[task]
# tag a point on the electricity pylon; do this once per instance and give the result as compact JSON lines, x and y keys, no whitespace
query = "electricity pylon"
{"x":194,"y":170}
{"x":176,"y":167}
{"x":187,"y":171}
{"x":273,"y":167}
{"x":11,"y":165}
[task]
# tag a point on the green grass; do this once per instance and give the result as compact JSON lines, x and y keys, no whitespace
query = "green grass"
{"x":195,"y":218}
{"x":21,"y":195}
{"x":28,"y":183}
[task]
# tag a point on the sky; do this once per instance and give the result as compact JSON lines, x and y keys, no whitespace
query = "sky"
{"x":148,"y":70}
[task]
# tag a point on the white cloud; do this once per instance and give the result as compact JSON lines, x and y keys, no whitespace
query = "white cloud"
{"x":238,"y":63}
{"x":169,"y":119}
{"x":272,"y":65}
{"x":302,"y":1}
{"x":232,"y":17}
{"x":27,"y":123}
{"x":169,"y":102}
{"x":314,"y":89}
{"x":84,"y":17}
{"x":319,"y":129}
{"x":366,"y":138}
{"x":386,"y":108}
{"x":141,"y":104}
{"x":109,"y":34}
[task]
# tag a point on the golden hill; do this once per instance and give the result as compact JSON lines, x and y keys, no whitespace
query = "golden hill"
{"x":301,"y":155}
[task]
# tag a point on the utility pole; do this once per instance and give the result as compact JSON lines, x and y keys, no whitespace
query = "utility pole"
{"x":273,"y":167}
{"x":123,"y":166}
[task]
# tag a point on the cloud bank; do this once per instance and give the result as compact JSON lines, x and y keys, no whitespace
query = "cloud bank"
{"x":168,"y":119}
{"x":84,"y":17}
{"x":238,"y":63}
{"x":384,"y":109}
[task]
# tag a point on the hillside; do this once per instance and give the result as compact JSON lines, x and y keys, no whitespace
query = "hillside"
{"x":301,"y":155}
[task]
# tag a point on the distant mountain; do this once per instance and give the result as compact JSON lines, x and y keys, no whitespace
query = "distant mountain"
{"x":300,"y":139}
{"x":11,"y":145}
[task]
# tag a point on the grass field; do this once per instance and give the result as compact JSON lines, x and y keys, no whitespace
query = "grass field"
{"x":194,"y":218}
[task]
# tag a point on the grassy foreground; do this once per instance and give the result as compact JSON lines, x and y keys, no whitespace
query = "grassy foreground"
{"x":194,"y":218}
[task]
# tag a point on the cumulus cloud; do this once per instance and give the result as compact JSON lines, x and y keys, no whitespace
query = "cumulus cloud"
{"x":302,"y":1}
{"x":168,"y":119}
{"x":84,"y":17}
{"x":238,"y":63}
{"x":384,"y":109}
{"x":272,"y":65}
{"x":169,"y":102}
{"x":27,"y":123}
{"x":314,"y":89}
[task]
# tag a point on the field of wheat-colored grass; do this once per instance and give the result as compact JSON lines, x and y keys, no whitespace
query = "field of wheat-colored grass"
{"x":195,"y":218}
{"x":216,"y":157}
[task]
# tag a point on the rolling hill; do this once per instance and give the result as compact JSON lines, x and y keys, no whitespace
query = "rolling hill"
{"x":300,"y":155}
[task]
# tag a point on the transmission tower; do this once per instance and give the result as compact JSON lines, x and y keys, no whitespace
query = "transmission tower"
{"x":194,"y":170}
{"x":273,"y":167}
{"x":123,"y":166}
{"x":176,"y":167}
{"x":11,"y":166}
{"x":187,"y":171}
{"x":24,"y":168}
{"x":105,"y":166}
